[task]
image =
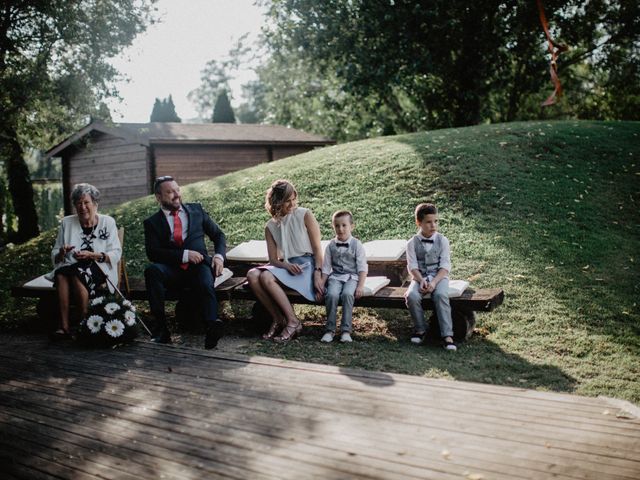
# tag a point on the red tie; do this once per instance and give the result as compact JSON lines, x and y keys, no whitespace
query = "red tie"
{"x":177,"y":234}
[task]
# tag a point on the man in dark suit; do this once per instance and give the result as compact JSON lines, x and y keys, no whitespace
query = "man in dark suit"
{"x":174,"y":240}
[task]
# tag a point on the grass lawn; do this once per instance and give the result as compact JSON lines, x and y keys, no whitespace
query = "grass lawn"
{"x":546,"y":210}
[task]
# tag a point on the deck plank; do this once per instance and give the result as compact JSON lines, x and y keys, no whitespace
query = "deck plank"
{"x":149,"y":410}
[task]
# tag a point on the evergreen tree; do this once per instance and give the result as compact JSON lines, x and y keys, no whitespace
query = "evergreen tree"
{"x":222,"y":111}
{"x":164,"y":111}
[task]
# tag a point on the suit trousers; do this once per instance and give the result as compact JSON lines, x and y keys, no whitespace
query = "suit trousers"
{"x":160,"y":277}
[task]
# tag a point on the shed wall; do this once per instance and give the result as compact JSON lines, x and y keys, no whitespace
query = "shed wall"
{"x":117,"y":167}
{"x":193,"y":163}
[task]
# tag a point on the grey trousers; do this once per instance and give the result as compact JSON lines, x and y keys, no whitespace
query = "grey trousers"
{"x":344,"y":292}
{"x":440,"y":297}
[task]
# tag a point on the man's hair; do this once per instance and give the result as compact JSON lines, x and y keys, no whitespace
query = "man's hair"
{"x":159,"y":181}
{"x":424,"y":209}
{"x":342,"y":213}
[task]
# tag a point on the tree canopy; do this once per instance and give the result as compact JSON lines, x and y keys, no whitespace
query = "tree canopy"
{"x":54,"y":74}
{"x":164,"y":111}
{"x":350,"y":68}
{"x":222,"y":111}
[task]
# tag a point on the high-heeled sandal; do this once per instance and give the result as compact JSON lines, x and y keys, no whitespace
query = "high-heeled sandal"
{"x":276,"y":325}
{"x":289,"y":332}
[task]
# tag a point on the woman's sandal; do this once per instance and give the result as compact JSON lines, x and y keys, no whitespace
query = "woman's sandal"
{"x":275,"y":327}
{"x":289,"y":332}
{"x":62,"y":334}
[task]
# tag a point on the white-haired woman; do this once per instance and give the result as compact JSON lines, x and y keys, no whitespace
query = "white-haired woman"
{"x":86,"y":253}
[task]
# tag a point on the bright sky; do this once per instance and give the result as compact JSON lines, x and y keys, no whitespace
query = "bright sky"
{"x":169,"y":56}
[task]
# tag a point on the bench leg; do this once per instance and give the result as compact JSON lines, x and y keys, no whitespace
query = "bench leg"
{"x":48,"y":313}
{"x":260,"y":319}
{"x":189,"y":313}
{"x":464,"y":322}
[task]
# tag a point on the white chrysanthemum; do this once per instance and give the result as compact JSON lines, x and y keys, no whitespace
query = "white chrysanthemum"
{"x":94,"y":322}
{"x":111,"y":307}
{"x":97,"y":301}
{"x":126,"y":303}
{"x":129,"y":318}
{"x":115,"y":328}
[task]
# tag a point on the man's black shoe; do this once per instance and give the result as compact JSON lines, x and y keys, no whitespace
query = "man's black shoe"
{"x":214,"y":334}
{"x":162,"y":337}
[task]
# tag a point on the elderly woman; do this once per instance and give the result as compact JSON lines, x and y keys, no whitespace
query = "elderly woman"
{"x":295,"y":260}
{"x":85,"y":255}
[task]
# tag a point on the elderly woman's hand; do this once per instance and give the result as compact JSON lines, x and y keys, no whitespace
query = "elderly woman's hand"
{"x":86,"y":255}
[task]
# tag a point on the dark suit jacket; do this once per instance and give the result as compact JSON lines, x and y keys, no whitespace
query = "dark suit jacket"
{"x":161,"y":249}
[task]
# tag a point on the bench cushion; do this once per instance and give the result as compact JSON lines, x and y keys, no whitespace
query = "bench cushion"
{"x":373,"y":284}
{"x":384,"y":250}
{"x":376,"y":250}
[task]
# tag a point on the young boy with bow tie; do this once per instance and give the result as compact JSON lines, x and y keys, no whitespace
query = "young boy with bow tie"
{"x":344,"y":271}
{"x":429,"y":264}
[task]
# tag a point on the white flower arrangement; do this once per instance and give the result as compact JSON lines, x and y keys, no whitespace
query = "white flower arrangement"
{"x":110,"y":321}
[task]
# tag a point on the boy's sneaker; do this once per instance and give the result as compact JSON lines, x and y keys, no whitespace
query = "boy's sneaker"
{"x":417,"y":338}
{"x":449,"y":345}
{"x":327,"y":337}
{"x":346,"y":337}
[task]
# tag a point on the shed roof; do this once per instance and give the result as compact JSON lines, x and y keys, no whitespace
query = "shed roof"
{"x":202,"y":133}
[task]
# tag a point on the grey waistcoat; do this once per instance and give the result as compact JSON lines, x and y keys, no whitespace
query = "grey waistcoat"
{"x":428,"y":262}
{"x":343,"y":260}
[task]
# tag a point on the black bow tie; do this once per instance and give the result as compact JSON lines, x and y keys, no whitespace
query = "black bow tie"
{"x":341,"y":244}
{"x":426,"y":240}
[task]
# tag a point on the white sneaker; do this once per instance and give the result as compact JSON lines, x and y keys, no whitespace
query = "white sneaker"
{"x":417,"y":338}
{"x":346,"y":337}
{"x":327,"y":337}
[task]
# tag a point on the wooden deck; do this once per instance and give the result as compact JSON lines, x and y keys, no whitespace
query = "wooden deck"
{"x":153,"y":411}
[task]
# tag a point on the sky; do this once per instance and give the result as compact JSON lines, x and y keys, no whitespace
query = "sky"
{"x":169,"y":56}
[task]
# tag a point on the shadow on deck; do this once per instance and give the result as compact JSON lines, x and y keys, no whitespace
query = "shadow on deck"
{"x":153,"y":411}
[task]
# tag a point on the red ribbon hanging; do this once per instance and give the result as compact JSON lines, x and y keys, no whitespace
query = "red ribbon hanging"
{"x":555,"y":49}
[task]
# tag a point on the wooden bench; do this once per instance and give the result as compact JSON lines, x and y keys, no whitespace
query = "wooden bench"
{"x":391,"y":296}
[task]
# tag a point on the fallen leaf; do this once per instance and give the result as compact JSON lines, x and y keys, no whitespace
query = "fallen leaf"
{"x":445,"y":454}
{"x":625,"y":415}
{"x":475,"y":476}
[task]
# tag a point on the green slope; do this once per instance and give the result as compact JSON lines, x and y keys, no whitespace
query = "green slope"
{"x":546,"y":210}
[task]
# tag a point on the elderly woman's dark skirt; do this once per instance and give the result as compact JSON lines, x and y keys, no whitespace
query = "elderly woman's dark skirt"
{"x":89,"y":273}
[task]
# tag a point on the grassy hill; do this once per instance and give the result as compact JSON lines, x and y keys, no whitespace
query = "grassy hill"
{"x":546,"y":210}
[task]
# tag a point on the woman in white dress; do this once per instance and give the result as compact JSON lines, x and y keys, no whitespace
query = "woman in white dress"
{"x":295,"y":260}
{"x":85,"y":255}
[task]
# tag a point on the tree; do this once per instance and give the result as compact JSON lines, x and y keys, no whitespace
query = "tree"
{"x":164,"y":111}
{"x":408,"y":65}
{"x":54,"y":72}
{"x":222,"y":111}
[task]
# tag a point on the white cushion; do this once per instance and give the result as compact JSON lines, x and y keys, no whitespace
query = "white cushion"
{"x":256,"y":251}
{"x":384,"y":250}
{"x":373,"y":284}
{"x":251,"y":251}
{"x":39,"y":283}
{"x":226,"y":275}
{"x":457,"y":287}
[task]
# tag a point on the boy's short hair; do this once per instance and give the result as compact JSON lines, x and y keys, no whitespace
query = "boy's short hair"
{"x":425,"y":209}
{"x":341,"y":213}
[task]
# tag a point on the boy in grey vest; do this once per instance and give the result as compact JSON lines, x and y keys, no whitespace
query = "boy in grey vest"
{"x":428,"y":262}
{"x":344,"y":270}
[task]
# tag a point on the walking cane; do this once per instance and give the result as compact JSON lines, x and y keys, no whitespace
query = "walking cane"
{"x":125,"y":298}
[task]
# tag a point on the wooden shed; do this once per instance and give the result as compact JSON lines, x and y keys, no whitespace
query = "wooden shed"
{"x":122,"y":159}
